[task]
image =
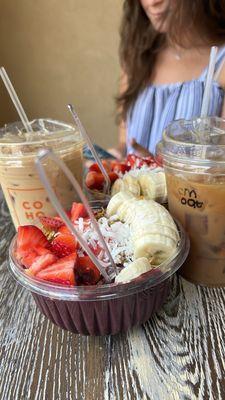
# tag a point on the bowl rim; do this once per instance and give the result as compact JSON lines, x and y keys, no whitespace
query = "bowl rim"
{"x":106,"y":291}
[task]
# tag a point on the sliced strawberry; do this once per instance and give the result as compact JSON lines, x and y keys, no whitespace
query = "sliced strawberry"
{"x":131,"y":160}
{"x":42,"y":250}
{"x":64,"y":230}
{"x":86,"y":272}
{"x":120,"y":167}
{"x":63,"y":244}
{"x":51,"y":223}
{"x":41,"y":262}
{"x":30,"y":236}
{"x":95,"y":180}
{"x":27,"y":257}
{"x":113,"y":176}
{"x":78,"y":211}
{"x":29,"y":239}
{"x":95,"y":167}
{"x":137,"y":162}
{"x":62,"y":271}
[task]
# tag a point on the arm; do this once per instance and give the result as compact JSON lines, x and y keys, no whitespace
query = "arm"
{"x":122,"y":126}
{"x":221,"y":81}
{"x":120,"y":151}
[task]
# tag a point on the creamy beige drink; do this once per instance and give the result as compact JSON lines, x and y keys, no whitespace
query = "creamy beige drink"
{"x":22,"y":188}
{"x":194,"y":161}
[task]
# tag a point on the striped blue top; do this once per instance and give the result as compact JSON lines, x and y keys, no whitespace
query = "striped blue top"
{"x":158,"y":105}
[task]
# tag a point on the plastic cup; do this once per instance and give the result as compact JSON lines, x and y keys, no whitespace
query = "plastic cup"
{"x":102,"y":309}
{"x":24,"y":193}
{"x":193,"y":155}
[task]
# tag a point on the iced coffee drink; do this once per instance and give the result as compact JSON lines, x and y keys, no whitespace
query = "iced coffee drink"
{"x":194,"y":161}
{"x":22,"y":188}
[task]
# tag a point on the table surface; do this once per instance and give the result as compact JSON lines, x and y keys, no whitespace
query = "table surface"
{"x":178,"y":354}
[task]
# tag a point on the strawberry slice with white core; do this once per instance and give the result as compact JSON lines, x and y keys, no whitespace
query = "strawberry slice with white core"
{"x":62,"y":271}
{"x":30,"y":240}
{"x":30,"y":236}
{"x":41,"y":262}
{"x":27,"y":257}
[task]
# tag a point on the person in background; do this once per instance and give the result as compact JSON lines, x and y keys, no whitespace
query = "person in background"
{"x":164,"y":54}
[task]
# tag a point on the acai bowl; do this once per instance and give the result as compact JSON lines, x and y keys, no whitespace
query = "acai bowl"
{"x":102,"y":308}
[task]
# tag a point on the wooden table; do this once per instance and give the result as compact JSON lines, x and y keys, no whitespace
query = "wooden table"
{"x":178,"y":354}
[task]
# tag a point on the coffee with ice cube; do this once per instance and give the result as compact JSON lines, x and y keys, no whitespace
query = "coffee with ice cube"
{"x":194,"y":160}
{"x":24,"y":192}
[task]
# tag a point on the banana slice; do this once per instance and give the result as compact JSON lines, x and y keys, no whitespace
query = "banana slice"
{"x":155,"y":229}
{"x":132,"y":207}
{"x":151,"y":212}
{"x":133,"y":270}
{"x":131,"y":185}
{"x":153,"y":185}
{"x":149,"y":221}
{"x":126,"y":211}
{"x":157,"y":247}
{"x":118,"y":199}
{"x":118,"y":186}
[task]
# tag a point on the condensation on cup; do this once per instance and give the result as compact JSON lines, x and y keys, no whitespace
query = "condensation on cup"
{"x":24,"y":193}
{"x":193,"y":155}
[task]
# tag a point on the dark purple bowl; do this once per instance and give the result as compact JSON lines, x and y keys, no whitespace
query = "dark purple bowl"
{"x":105,"y":309}
{"x":104,"y":317}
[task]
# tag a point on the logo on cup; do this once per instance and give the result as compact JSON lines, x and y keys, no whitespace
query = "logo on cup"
{"x":189,"y":198}
{"x":33,"y":209}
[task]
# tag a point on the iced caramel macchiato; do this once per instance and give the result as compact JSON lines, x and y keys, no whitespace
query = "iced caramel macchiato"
{"x":21,"y":185}
{"x":194,"y":160}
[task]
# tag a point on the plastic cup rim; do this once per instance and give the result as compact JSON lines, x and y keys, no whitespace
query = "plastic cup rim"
{"x":101,"y":292}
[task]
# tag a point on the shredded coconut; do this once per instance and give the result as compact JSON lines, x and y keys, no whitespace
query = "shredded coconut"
{"x":143,"y":169}
{"x":117,"y":236}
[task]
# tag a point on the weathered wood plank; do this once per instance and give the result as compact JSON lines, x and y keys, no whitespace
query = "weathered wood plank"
{"x":178,"y":354}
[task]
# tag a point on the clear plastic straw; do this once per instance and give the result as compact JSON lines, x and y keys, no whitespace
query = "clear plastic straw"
{"x":15,"y":99}
{"x":209,"y":80}
{"x":58,"y":207}
{"x":90,"y":144}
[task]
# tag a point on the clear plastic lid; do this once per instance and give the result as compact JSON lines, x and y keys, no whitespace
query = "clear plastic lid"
{"x":15,"y":142}
{"x":198,"y":141}
{"x":106,"y":291}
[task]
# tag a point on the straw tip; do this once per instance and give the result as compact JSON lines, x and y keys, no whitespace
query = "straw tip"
{"x":70,"y":107}
{"x":42,"y":153}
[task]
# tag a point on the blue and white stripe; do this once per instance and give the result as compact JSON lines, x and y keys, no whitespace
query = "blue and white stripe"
{"x":158,"y":105}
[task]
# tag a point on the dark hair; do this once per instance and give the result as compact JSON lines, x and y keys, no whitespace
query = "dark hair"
{"x":140,"y":43}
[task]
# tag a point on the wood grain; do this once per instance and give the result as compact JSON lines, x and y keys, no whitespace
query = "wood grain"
{"x":178,"y":354}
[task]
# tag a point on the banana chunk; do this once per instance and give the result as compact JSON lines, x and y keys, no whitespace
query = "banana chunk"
{"x":118,"y":186}
{"x":126,"y":211}
{"x":131,"y":185}
{"x":157,"y":247}
{"x":153,"y":185}
{"x":150,"y":212}
{"x":118,"y":199}
{"x":153,"y":229}
{"x":133,"y":270}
